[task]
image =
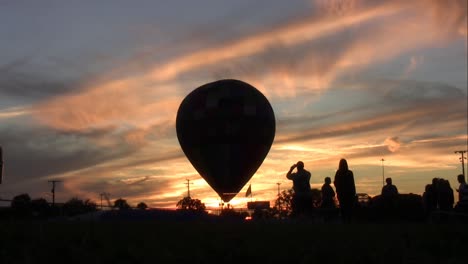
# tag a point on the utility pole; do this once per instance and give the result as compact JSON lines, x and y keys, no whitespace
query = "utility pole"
{"x":278,"y":183}
{"x":462,"y":160}
{"x":105,"y":195}
{"x":279,"y":200}
{"x":188,"y":187}
{"x":383,"y":172}
{"x":53,"y":190}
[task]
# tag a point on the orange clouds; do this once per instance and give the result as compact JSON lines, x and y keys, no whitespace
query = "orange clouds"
{"x":289,"y":35}
{"x":149,"y":98}
{"x":393,"y":143}
{"x":108,"y":104}
{"x":448,"y":16}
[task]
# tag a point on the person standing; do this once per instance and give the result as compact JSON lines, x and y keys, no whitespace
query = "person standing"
{"x":446,"y":198}
{"x":389,"y":199}
{"x":389,"y":190}
{"x":302,"y":199}
{"x":462,"y":188}
{"x":345,"y":189}
{"x":462,"y":194}
{"x":328,"y":194}
{"x":429,"y":200}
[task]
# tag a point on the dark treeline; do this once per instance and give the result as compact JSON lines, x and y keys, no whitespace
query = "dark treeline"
{"x":23,"y":207}
{"x":435,"y":205}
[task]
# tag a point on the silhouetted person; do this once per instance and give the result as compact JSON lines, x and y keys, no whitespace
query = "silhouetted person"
{"x":462,"y":193}
{"x":328,"y":200}
{"x":435,"y":192}
{"x":389,"y":190}
{"x":345,"y":190}
{"x":445,"y":195}
{"x":389,"y":198}
{"x":429,"y":200}
{"x":462,"y":188}
{"x":328,"y":194}
{"x":302,"y":199}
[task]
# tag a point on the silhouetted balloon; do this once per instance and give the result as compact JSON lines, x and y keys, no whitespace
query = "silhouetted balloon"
{"x":226,"y":129}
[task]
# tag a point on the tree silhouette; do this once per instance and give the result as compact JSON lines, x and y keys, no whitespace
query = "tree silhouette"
{"x":284,"y":202}
{"x":195,"y":205}
{"x":121,"y":204}
{"x":21,"y":205}
{"x":76,"y":206}
{"x":40,"y":207}
{"x":21,"y":200}
{"x":142,"y":206}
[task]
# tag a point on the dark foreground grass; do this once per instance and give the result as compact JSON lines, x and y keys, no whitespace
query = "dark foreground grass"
{"x":230,"y":242}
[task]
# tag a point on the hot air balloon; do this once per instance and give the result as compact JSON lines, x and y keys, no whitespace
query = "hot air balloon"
{"x":226,"y":129}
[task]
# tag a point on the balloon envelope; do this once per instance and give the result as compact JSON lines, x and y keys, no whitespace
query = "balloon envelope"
{"x":226,"y":129}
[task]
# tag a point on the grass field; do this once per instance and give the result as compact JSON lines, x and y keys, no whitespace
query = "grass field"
{"x":230,"y":242}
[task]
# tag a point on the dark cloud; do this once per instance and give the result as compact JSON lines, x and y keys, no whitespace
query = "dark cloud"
{"x":286,"y":123}
{"x":379,"y":151}
{"x":13,"y":65}
{"x":29,"y":88}
{"x":32,"y":152}
{"x":38,"y":152}
{"x":411,"y":105}
{"x":407,"y":91}
{"x":437,"y":144}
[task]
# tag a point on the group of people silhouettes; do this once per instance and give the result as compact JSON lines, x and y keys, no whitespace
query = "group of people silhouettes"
{"x":344,"y":184}
{"x":437,"y":196}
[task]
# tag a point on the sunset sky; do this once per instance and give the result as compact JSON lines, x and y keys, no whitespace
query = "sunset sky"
{"x":89,"y":92}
